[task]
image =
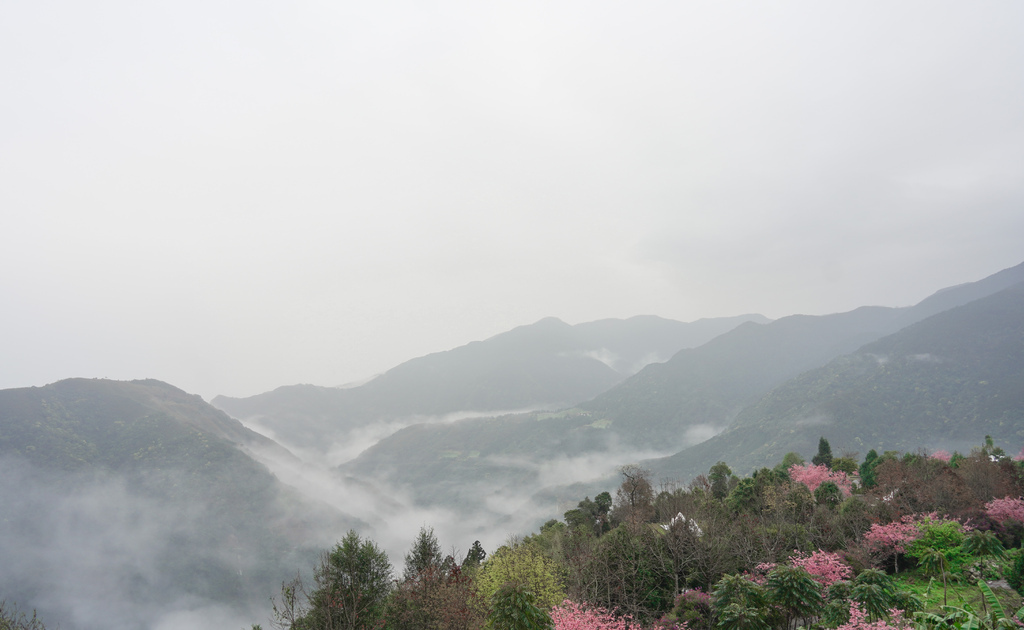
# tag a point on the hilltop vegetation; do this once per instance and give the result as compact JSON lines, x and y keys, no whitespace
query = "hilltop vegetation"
{"x":890,"y":541}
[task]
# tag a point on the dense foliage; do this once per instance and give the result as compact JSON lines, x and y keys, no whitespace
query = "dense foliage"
{"x":752,"y":553}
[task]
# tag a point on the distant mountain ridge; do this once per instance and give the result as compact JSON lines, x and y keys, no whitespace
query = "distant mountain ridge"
{"x":708,"y":386}
{"x":942,"y":383}
{"x":660,"y":408}
{"x":547,"y":364}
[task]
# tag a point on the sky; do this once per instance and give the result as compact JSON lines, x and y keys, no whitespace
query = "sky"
{"x":236,"y":196}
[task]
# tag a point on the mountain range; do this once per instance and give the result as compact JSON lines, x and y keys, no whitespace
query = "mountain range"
{"x":146,"y":498}
{"x":940,"y":384}
{"x":667,"y":409}
{"x":548,"y":364}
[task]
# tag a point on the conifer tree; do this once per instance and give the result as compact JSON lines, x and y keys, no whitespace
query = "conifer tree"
{"x":424,"y":555}
{"x":824,"y":456}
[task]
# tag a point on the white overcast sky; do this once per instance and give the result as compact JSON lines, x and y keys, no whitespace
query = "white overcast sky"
{"x":233,"y":196}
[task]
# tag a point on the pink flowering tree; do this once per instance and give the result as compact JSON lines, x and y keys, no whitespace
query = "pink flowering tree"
{"x":825,"y":567}
{"x":859,"y":620}
{"x":572,"y":616}
{"x":813,"y":476}
{"x":894,"y":537}
{"x":1006,"y":509}
{"x":759,"y":575}
{"x":942,"y":456}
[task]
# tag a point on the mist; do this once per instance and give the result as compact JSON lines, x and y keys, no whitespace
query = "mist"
{"x":500,"y":508}
{"x":93,"y":554}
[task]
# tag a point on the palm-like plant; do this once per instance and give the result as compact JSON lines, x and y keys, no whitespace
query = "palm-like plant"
{"x":875,"y":592}
{"x":795,"y":592}
{"x":964,"y":618}
{"x":983,"y":543}
{"x":934,"y":562}
{"x":736,"y":616}
{"x":740,"y":604}
{"x":739,"y":590}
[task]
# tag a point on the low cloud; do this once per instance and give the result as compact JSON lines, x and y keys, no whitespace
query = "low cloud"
{"x":813,"y":421}
{"x":91,"y":553}
{"x":701,"y":433}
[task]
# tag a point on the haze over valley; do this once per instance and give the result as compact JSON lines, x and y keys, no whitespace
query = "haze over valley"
{"x":194,"y":516}
{"x":279,"y":272}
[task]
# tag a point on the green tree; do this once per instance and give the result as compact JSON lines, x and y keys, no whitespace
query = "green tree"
{"x":824,"y":456}
{"x":741,"y":604}
{"x":513,"y":607}
{"x":719,"y":477}
{"x":351,"y":584}
{"x":523,"y":566}
{"x":934,"y":562}
{"x":737,"y":589}
{"x":867,"y":469}
{"x":424,"y":556}
{"x":983,"y":543}
{"x":789,"y":459}
{"x":591,"y":516}
{"x":743,"y":497}
{"x":847,"y":465}
{"x":794,"y":591}
{"x":1016,"y":575}
{"x":828,"y":493}
{"x":736,"y":616}
{"x":875,"y":592}
{"x":474,"y":557}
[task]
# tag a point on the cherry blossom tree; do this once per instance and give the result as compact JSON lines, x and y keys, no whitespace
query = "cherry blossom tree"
{"x":1006,"y":509}
{"x":570,"y":615}
{"x":825,"y":567}
{"x":859,"y":620}
{"x":893,"y":537}
{"x":813,"y":476}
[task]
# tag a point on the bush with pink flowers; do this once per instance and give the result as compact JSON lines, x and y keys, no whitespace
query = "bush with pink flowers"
{"x":824,"y":566}
{"x":813,"y":476}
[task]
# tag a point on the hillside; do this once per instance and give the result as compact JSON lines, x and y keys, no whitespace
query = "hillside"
{"x":943,"y":383}
{"x":664,"y":407}
{"x":703,"y":389}
{"x":138,"y":493}
{"x":548,"y":364}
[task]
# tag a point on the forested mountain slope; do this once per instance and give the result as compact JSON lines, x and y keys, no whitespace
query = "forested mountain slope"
{"x":138,"y":495}
{"x":542,"y":365}
{"x":938,"y":384}
{"x":664,"y":407}
{"x":709,"y":385}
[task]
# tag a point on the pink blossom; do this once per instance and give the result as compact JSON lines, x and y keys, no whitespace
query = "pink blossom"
{"x":813,"y":476}
{"x":895,"y":536}
{"x":824,"y":566}
{"x":1006,"y":509}
{"x":572,"y":616}
{"x":760,"y":572}
{"x":859,"y":620}
{"x":942,"y":456}
{"x":695,"y":595}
